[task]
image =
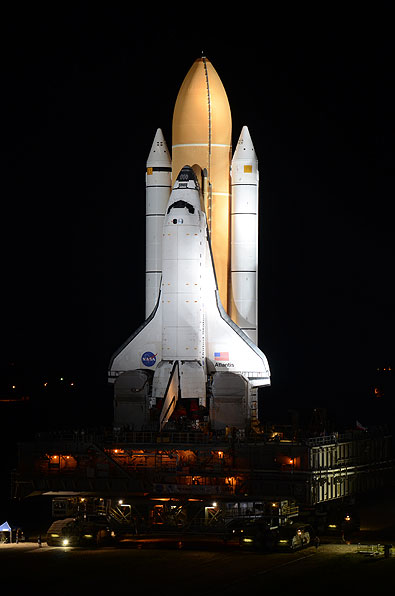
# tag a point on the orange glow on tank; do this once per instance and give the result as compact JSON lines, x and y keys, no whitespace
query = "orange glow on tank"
{"x":202,"y":136}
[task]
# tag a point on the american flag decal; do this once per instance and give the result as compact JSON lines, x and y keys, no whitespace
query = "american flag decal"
{"x":221,"y":356}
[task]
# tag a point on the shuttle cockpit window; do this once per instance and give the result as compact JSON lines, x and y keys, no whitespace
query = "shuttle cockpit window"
{"x":180,"y":205}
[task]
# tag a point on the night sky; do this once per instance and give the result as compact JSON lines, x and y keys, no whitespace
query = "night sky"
{"x":83,"y":93}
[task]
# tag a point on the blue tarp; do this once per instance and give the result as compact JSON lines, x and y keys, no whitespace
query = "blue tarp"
{"x":5,"y":527}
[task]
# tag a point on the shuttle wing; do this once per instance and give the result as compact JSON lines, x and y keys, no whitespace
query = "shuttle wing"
{"x":143,"y":349}
{"x":227,"y":346}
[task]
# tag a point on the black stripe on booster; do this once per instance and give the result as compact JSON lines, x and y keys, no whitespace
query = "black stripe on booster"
{"x":159,"y":169}
{"x":243,"y":213}
{"x":157,"y":186}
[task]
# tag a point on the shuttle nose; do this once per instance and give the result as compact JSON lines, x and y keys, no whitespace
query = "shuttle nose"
{"x":186,"y":174}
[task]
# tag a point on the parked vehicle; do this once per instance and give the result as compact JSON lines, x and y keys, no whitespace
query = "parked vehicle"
{"x":295,"y":536}
{"x":258,"y":535}
{"x":75,"y":532}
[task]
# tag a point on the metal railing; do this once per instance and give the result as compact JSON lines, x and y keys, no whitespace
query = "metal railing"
{"x":124,"y":437}
{"x":114,"y":436}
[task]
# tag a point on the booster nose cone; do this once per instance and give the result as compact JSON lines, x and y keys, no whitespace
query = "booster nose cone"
{"x":245,"y":148}
{"x":159,"y":155}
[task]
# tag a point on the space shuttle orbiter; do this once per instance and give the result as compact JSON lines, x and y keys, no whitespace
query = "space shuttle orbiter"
{"x":190,"y":354}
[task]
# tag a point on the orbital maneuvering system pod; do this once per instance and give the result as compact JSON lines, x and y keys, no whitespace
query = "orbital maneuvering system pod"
{"x":194,"y":361}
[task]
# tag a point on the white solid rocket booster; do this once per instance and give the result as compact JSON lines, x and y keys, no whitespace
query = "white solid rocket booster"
{"x":158,"y":189}
{"x":244,"y":236}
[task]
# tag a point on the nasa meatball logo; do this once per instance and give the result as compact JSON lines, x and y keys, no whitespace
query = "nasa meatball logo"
{"x":148,"y":359}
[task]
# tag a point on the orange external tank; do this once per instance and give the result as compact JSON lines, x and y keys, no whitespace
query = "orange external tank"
{"x":202,"y":136}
